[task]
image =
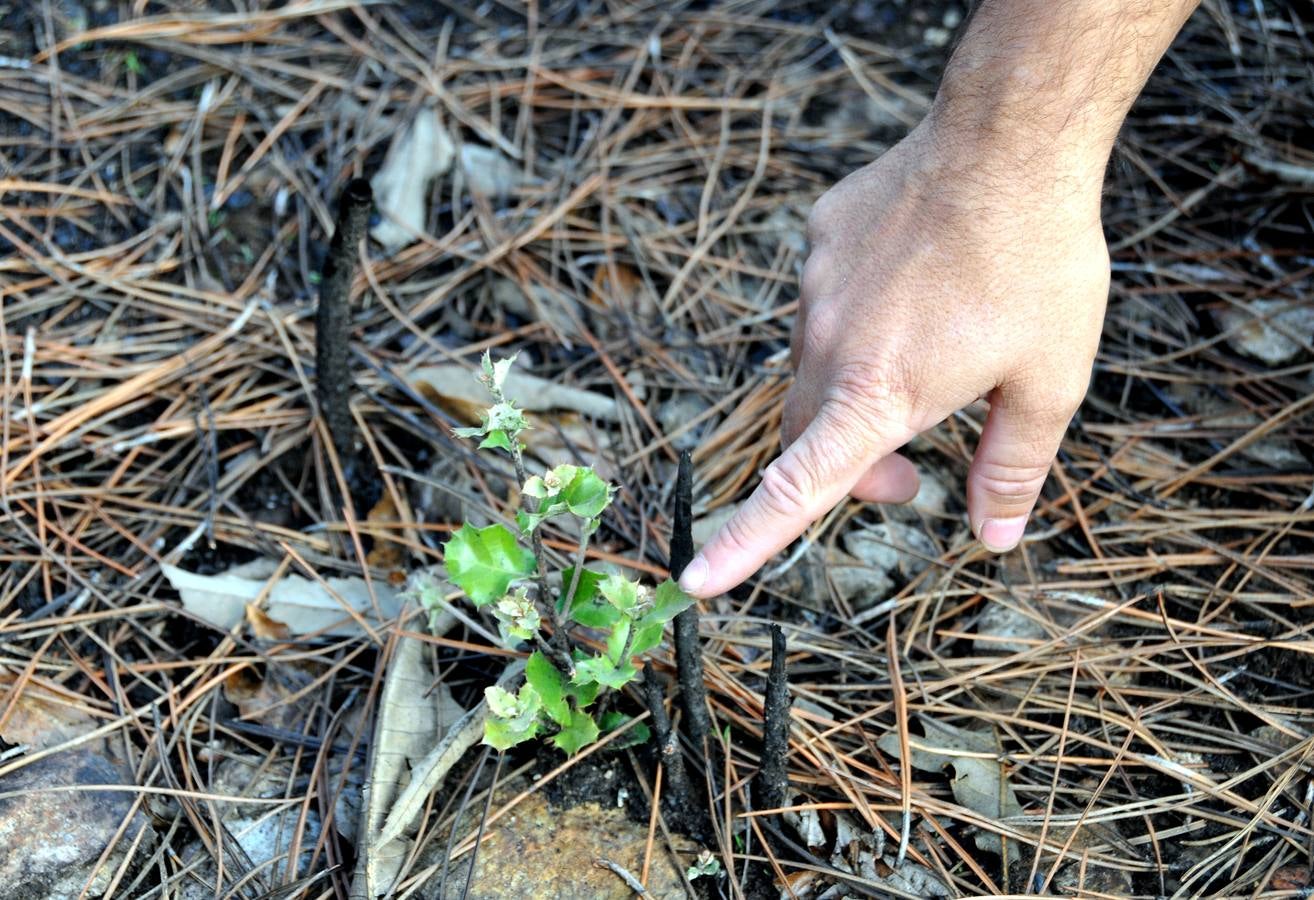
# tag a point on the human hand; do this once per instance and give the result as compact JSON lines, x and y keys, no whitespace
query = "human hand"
{"x":939,"y":274}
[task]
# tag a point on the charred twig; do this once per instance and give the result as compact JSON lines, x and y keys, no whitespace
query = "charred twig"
{"x":678,"y":798}
{"x":333,"y":317}
{"x":688,"y":649}
{"x":773,"y":777}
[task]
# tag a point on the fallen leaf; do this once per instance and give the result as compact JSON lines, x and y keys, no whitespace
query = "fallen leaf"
{"x":978,"y":784}
{"x":386,"y":553}
{"x":416,"y":710}
{"x":264,"y":627}
{"x":41,"y":718}
{"x":489,"y":173}
{"x":303,"y":605}
{"x":531,"y":393}
{"x":420,"y":153}
{"x":1290,"y":878}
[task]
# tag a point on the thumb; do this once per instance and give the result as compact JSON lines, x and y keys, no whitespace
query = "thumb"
{"x":1019,"y":442}
{"x":806,"y":481}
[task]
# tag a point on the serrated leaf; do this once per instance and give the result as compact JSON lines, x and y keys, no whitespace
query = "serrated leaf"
{"x":548,"y":682}
{"x":501,"y":734}
{"x":497,"y":439}
{"x":484,"y":561}
{"x":587,"y":607}
{"x":646,"y":636}
{"x":581,"y":732}
{"x":501,"y":368}
{"x":582,"y":694}
{"x":586,"y":495}
{"x":620,"y":592}
{"x":620,"y":633}
{"x":668,"y":602}
{"x":636,"y":736}
{"x":599,"y":669}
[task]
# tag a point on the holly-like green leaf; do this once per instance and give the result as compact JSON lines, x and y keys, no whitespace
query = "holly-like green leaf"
{"x":547,"y":682}
{"x":601,"y":670}
{"x":668,"y":602}
{"x":574,"y":737}
{"x":620,"y":633}
{"x":484,"y":561}
{"x":620,"y":592}
{"x":501,"y":735}
{"x":586,"y":495}
{"x":497,"y":438}
{"x":582,"y":693}
{"x":646,"y":636}
{"x":587,"y":607}
{"x":639,"y":734}
{"x":512,"y":718}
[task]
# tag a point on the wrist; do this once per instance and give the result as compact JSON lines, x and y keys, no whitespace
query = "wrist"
{"x":992,"y":146}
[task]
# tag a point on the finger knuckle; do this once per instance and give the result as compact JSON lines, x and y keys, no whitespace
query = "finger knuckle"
{"x":1009,"y":485}
{"x":787,"y":484}
{"x":871,"y":392}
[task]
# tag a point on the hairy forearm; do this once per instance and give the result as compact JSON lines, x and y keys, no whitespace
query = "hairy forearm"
{"x":1045,"y":84}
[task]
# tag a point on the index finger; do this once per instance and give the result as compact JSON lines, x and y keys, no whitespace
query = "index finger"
{"x":805,"y":482}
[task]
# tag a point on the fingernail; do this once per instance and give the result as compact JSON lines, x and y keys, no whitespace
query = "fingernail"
{"x":695,"y":576}
{"x":1001,"y":535}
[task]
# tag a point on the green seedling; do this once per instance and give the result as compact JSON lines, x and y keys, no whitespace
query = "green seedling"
{"x":504,"y":570}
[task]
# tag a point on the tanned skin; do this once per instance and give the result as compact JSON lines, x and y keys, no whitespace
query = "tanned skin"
{"x":967,"y":262}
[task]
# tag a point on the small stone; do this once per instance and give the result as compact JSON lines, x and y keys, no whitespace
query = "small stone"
{"x":892,"y":547}
{"x":678,"y":412}
{"x":856,"y":582}
{"x":932,"y":496}
{"x":936,"y":36}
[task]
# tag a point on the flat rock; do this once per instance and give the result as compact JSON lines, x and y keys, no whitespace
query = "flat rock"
{"x":52,"y":839}
{"x":550,"y":854}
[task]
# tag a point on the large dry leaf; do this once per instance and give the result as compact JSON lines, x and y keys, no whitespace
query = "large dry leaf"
{"x":39,"y":718}
{"x":979,"y":783}
{"x":415,"y":712}
{"x":531,"y":393}
{"x":418,"y":155}
{"x":303,"y":605}
{"x":489,"y":173}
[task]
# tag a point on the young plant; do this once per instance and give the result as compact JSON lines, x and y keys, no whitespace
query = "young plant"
{"x":506,"y":571}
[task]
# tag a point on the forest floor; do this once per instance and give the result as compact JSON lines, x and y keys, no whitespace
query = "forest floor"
{"x":1122,"y":707}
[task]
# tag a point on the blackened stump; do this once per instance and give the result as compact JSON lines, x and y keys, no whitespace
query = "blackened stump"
{"x":333,"y":316}
{"x":773,"y":778}
{"x":688,"y":651}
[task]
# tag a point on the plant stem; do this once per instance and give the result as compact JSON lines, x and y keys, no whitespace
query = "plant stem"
{"x":585,"y":532}
{"x":333,"y":315}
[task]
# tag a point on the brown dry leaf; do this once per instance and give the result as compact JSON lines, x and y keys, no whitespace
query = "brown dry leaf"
{"x":622,"y":287}
{"x":264,"y":627}
{"x":270,"y":700}
{"x":457,"y":382}
{"x":1290,"y":878}
{"x":41,"y":717}
{"x":385,"y":554}
{"x":417,"y":155}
